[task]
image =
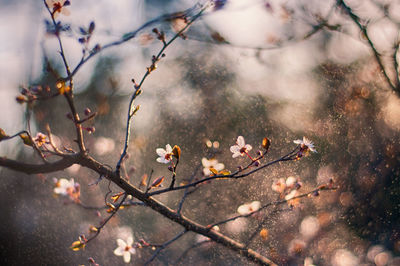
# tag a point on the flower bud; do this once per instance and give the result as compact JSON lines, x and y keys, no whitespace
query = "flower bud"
{"x":87,"y":111}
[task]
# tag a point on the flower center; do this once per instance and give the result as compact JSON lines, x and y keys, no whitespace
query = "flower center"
{"x":127,"y":248}
{"x":243,"y":150}
{"x":168,"y":156}
{"x":57,"y":7}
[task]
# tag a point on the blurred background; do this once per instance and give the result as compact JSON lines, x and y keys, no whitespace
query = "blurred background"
{"x":276,"y":69}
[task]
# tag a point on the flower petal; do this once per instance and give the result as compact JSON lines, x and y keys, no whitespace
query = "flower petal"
{"x":161,"y":152}
{"x":240,"y":141}
{"x":206,"y":171}
{"x":132,"y":250}
{"x":168,"y":148}
{"x":219,"y":166}
{"x":119,"y":251}
{"x":243,"y":209}
{"x":255,"y":205}
{"x":121,"y":243}
{"x":129,"y":241}
{"x":298,"y":141}
{"x":127,"y":256}
{"x":205,"y":162}
{"x":248,"y":147}
{"x":235,"y":148}
{"x":236,"y":154}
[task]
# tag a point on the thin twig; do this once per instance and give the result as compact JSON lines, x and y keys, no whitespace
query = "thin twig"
{"x":138,"y":87}
{"x":377,"y":55}
{"x":187,"y":192}
{"x":189,"y":249}
{"x":234,"y":175}
{"x":69,"y":94}
{"x":322,"y":188}
{"x":106,"y":220}
{"x":163,"y":246}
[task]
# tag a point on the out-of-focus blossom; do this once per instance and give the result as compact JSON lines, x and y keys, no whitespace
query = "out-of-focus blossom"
{"x":212,"y":144}
{"x":58,"y":6}
{"x":40,"y":139}
{"x":237,"y":226}
{"x":279,"y":185}
{"x":165,"y":155}
{"x":296,"y":247}
{"x":308,"y":262}
{"x":290,"y":197}
{"x":211,"y":166}
{"x":344,"y":257}
{"x":103,"y":145}
{"x":305,"y":144}
{"x":241,"y":148}
{"x":125,"y":248}
{"x":249,"y":208}
{"x":67,"y":188}
{"x":309,"y":227}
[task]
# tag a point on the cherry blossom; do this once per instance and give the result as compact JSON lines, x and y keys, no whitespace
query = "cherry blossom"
{"x":306,"y":144}
{"x":125,"y":249}
{"x":40,"y":139}
{"x":165,"y":155}
{"x":249,"y":208}
{"x":211,"y":164}
{"x":67,"y":188}
{"x":63,"y":186}
{"x":241,"y":148}
{"x":58,"y":6}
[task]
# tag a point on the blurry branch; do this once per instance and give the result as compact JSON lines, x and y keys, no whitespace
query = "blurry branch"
{"x":163,"y":246}
{"x":132,"y":109}
{"x":276,"y":203}
{"x":130,"y":35}
{"x":377,"y":55}
{"x":184,"y":254}
{"x":187,"y":191}
{"x":68,"y":94}
{"x":98,"y":229}
{"x":385,"y":9}
{"x":321,"y":24}
{"x":27,"y":168}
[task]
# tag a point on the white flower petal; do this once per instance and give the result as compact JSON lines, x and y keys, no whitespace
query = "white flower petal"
{"x":243,"y":209}
{"x":121,"y":243}
{"x":132,"y":250}
{"x":291,"y":195}
{"x":160,"y":152}
{"x":168,"y":148}
{"x":248,"y":147}
{"x":205,"y":162}
{"x":298,"y":141}
{"x":206,"y":171}
{"x":119,"y":251}
{"x":236,"y":154}
{"x":235,"y":148}
{"x":240,"y":141}
{"x":129,"y":241}
{"x":255,"y":205}
{"x":127,"y":256}
{"x":219,"y":166}
{"x":290,"y":181}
